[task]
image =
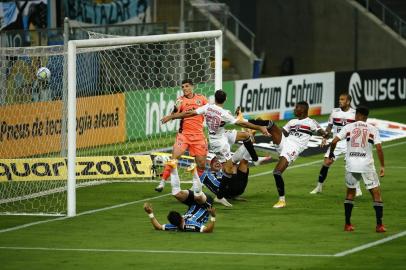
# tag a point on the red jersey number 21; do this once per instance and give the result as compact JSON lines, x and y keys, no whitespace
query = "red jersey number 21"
{"x":359,"y":137}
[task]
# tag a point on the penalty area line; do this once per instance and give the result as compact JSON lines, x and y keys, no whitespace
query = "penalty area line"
{"x":369,"y":245}
{"x":167,"y":251}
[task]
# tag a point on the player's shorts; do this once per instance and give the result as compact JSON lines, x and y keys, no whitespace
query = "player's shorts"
{"x":341,"y":149}
{"x":371,"y":179}
{"x":196,"y":143}
{"x":288,"y":149}
{"x":238,"y":184}
{"x":221,"y":147}
{"x":191,"y":199}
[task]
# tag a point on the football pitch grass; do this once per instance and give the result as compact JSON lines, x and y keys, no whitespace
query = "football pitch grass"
{"x":112,"y":231}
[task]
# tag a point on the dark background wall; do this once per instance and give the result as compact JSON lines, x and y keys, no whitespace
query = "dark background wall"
{"x":318,"y":35}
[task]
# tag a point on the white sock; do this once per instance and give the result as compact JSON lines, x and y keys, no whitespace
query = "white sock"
{"x":239,"y":154}
{"x":197,"y":184}
{"x":282,"y":198}
{"x":247,"y":155}
{"x":162,"y":182}
{"x":319,"y":185}
{"x":175,"y":181}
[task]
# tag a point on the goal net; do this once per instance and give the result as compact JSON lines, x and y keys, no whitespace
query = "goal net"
{"x":99,"y":123}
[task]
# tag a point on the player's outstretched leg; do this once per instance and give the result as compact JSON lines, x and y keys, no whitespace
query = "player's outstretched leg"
{"x":165,"y":175}
{"x":273,"y":129}
{"x":322,"y":176}
{"x":358,"y":191}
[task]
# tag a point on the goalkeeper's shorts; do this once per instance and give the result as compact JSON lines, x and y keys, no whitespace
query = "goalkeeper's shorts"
{"x":195,"y":143}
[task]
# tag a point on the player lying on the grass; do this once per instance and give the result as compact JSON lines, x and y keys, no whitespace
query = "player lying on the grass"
{"x":225,"y":187}
{"x":191,"y":132}
{"x":216,"y":117}
{"x":359,"y":164}
{"x":290,"y":141}
{"x":199,"y":208}
{"x":194,"y":220}
{"x":339,"y":117}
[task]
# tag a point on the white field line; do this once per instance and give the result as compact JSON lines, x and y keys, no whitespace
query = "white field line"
{"x":372,"y":244}
{"x":167,"y":251}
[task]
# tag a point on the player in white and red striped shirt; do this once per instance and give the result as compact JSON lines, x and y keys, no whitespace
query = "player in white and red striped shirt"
{"x":360,"y":138}
{"x":339,"y":117}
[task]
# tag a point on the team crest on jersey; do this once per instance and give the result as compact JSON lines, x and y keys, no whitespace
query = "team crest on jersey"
{"x":297,"y":127}
{"x":198,"y":102}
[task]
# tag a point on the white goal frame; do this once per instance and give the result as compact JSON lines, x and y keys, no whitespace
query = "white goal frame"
{"x":73,"y":45}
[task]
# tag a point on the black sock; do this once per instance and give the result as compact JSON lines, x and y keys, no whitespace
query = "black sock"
{"x":280,"y":185}
{"x":323,"y":173}
{"x":250,"y":148}
{"x":378,"y":206}
{"x":260,"y":122}
{"x":348,"y":205}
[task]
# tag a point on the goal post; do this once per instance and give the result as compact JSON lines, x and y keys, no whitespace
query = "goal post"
{"x":86,"y":118}
{"x":77,"y":46}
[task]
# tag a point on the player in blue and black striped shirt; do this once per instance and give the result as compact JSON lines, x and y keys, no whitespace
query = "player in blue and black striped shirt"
{"x":194,"y":220}
{"x":224,"y":185}
{"x":199,"y":207}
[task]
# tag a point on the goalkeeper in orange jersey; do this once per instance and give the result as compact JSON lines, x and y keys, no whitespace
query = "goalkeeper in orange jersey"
{"x":191,"y":132}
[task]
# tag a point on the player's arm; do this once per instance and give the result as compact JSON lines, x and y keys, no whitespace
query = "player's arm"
{"x":178,"y":115}
{"x":210,"y":225}
{"x":326,"y":135}
{"x":379,"y":151}
{"x":246,"y":124}
{"x":328,"y":131}
{"x":323,"y":133}
{"x":341,"y":135}
{"x":148,"y":209}
{"x":333,"y":147}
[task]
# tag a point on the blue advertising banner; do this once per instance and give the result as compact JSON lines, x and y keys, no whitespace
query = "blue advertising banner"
{"x":23,"y":14}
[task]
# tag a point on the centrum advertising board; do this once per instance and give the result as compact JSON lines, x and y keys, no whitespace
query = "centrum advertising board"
{"x":275,"y":98}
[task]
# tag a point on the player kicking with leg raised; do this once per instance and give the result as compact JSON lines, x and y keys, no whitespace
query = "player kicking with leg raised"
{"x":359,"y":164}
{"x":191,"y":132}
{"x":290,"y":141}
{"x":339,"y":117}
